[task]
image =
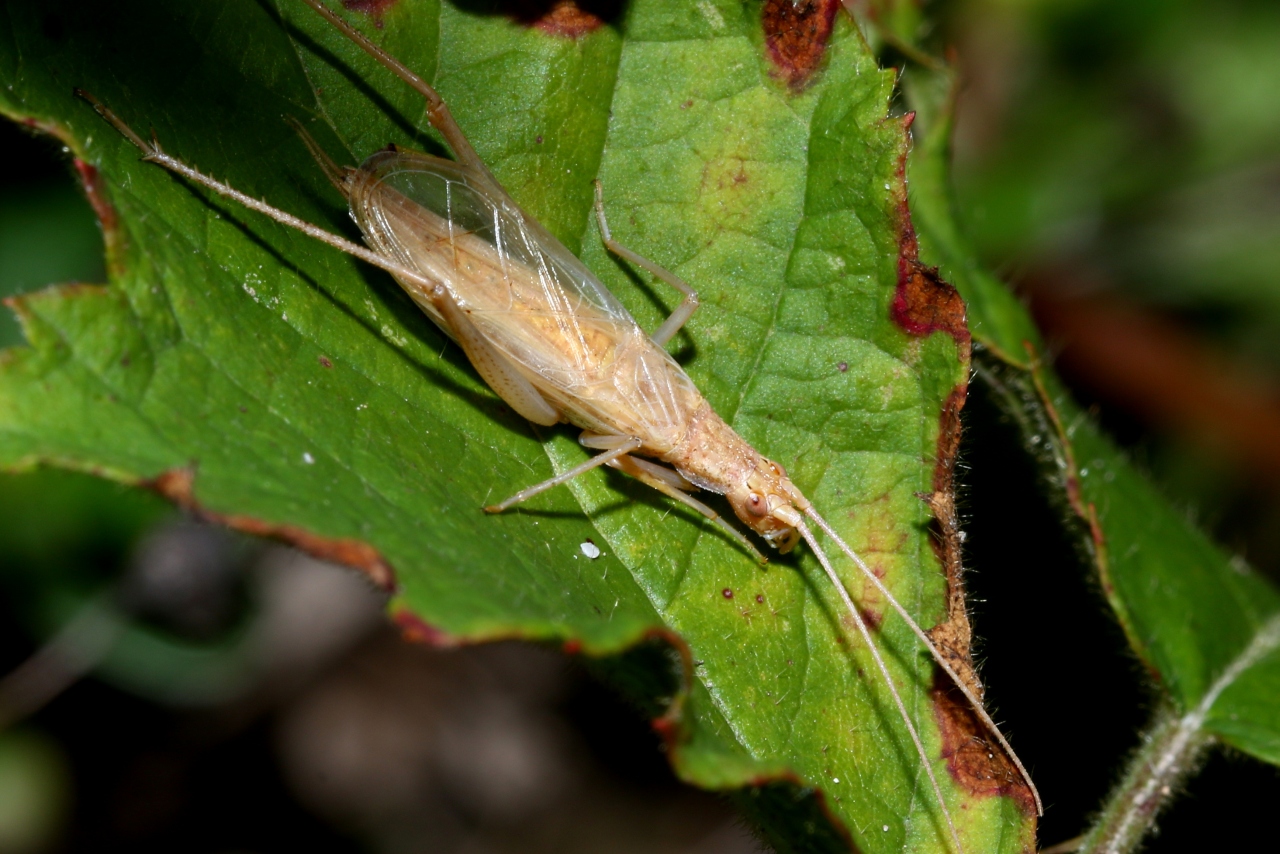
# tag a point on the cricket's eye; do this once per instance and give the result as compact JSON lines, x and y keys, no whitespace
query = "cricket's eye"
{"x":756,"y":505}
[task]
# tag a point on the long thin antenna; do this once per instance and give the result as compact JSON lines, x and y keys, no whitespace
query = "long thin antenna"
{"x":153,"y":153}
{"x":974,"y":702}
{"x":884,"y":671}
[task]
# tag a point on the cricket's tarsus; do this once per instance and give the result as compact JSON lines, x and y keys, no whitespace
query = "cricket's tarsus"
{"x":556,"y":346}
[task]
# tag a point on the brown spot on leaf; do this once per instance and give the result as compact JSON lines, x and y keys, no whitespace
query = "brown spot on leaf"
{"x":326,"y":362}
{"x":923,"y":302}
{"x":977,"y":765}
{"x":949,"y":429}
{"x":570,"y":19}
{"x":178,"y":485}
{"x":727,"y":593}
{"x":726,"y":172}
{"x":953,"y":637}
{"x":795,"y":37}
{"x":884,"y":535}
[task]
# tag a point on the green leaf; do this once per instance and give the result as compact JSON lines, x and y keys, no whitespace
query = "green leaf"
{"x":1205,"y":625}
{"x":286,"y":389}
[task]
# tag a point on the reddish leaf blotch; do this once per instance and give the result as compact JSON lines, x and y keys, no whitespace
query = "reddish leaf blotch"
{"x":796,"y":33}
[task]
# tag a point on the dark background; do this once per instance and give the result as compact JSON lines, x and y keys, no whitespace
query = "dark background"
{"x":1118,"y":162}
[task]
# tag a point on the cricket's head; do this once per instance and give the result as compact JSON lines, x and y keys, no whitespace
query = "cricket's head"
{"x":766,"y":501}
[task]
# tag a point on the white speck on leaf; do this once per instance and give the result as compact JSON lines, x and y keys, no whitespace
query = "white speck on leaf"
{"x":590,"y":549}
{"x":390,"y":334}
{"x":712,"y":14}
{"x":307,"y":458}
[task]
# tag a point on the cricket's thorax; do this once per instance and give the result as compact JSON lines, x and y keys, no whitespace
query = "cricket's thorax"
{"x":712,"y":456}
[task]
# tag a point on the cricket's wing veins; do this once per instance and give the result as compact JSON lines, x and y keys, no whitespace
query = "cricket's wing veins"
{"x":527,"y":294}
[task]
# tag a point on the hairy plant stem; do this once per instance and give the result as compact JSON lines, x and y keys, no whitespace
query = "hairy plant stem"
{"x":1170,"y":752}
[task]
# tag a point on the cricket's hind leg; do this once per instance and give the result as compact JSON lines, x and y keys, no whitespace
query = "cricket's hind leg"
{"x":687,"y":306}
{"x":492,"y":365}
{"x":437,"y":111}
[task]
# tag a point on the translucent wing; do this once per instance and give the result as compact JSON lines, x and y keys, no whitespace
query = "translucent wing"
{"x":527,"y":294}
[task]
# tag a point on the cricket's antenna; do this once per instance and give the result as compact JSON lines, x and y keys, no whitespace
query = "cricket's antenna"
{"x":153,"y":153}
{"x":974,"y":702}
{"x":884,"y":671}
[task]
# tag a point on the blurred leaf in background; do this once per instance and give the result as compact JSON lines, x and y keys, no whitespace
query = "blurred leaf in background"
{"x":35,"y":792}
{"x":1141,"y":137}
{"x":1121,"y":163}
{"x":47,"y":231}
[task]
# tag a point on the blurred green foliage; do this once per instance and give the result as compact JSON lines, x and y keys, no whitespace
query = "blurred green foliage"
{"x":1132,"y":150}
{"x":35,"y":791}
{"x":1140,"y":140}
{"x":67,"y":534}
{"x":47,"y":234}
